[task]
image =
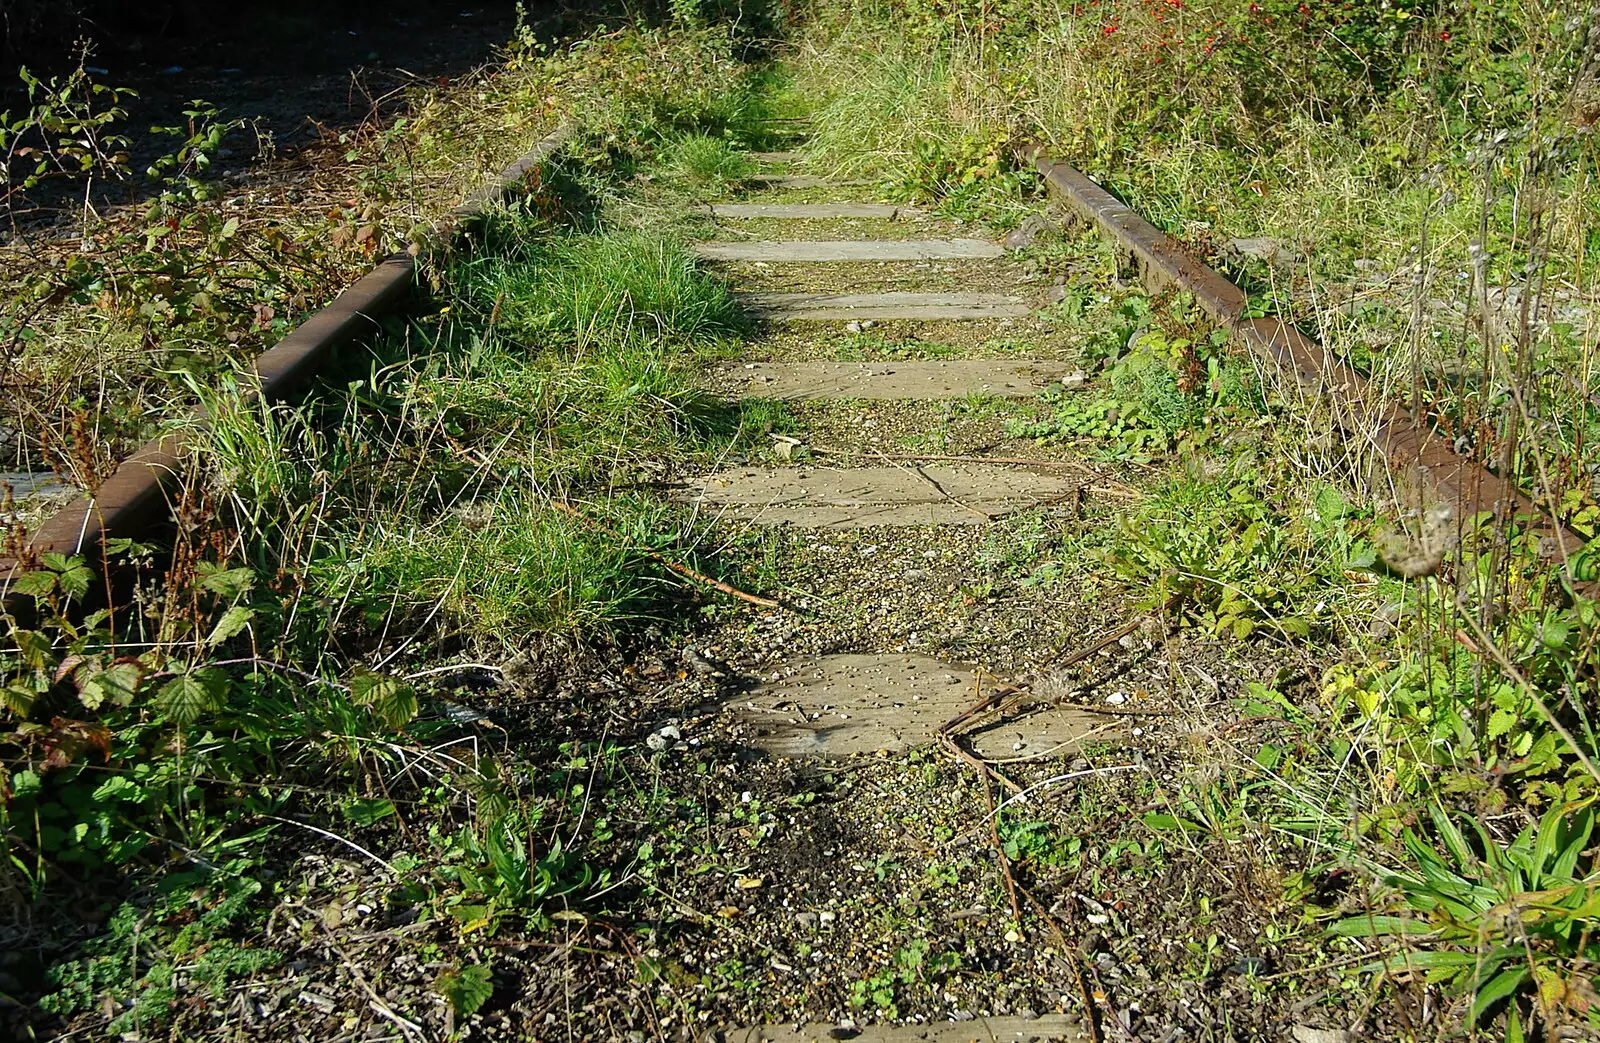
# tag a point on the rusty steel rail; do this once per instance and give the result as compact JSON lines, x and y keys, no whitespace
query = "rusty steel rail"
{"x":138,"y":491}
{"x":1424,"y":469}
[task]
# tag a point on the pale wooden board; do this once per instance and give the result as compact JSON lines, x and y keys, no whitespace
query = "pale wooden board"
{"x":811,"y":211}
{"x":890,"y":381}
{"x":858,"y":497}
{"x":881,"y":307}
{"x":837,"y":706}
{"x":851,"y":250}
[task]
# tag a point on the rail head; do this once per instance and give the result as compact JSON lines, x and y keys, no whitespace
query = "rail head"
{"x":1426,"y":470}
{"x":139,"y":490}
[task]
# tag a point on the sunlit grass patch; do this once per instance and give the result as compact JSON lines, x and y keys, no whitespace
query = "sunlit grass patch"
{"x":708,"y":163}
{"x":508,"y":566}
{"x":618,"y":286}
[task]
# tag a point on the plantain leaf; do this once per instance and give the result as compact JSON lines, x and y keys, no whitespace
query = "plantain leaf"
{"x":1499,"y":987}
{"x":1375,"y":926}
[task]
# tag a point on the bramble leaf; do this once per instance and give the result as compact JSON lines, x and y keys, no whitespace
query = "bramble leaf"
{"x":187,"y":698}
{"x":466,"y":988}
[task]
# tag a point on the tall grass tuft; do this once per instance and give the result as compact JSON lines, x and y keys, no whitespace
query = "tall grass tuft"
{"x":617,"y":287}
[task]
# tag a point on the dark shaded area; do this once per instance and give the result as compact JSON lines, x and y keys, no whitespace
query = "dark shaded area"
{"x":299,"y":34}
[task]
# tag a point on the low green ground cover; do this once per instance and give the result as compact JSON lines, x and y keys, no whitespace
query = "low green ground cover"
{"x":482,"y":480}
{"x":476,"y":479}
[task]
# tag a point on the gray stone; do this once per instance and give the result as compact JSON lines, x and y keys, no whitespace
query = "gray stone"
{"x":1025,"y":233}
{"x":852,"y":498}
{"x":887,"y":381}
{"x":846,"y":250}
{"x":1275,"y":252}
{"x":881,"y":307}
{"x":776,"y":157}
{"x":853,"y":705}
{"x":1309,"y":1034}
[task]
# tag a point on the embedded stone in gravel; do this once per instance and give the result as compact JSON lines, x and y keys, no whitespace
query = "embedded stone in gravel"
{"x":851,"y":705}
{"x":881,"y":307}
{"x":880,"y":381}
{"x":857,"y":497}
{"x":811,"y":211}
{"x":806,"y":251}
{"x":1046,"y":1029}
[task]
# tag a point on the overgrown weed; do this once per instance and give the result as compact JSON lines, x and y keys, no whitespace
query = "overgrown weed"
{"x":478,"y":477}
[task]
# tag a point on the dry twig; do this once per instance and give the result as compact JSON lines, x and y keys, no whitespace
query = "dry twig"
{"x":674,"y":566}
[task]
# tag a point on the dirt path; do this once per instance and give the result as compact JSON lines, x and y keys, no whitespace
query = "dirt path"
{"x":877,"y":748}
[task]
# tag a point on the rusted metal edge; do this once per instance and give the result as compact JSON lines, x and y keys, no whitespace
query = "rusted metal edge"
{"x":138,"y":490}
{"x":1425,"y":470}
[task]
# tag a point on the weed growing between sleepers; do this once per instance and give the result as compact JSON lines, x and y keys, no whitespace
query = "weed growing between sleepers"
{"x":253,"y":691}
{"x":1396,"y":144}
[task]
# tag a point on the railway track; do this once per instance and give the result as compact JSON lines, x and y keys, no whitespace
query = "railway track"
{"x":900,"y":343}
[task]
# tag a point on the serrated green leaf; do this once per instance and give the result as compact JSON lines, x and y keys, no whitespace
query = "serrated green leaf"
{"x":367,"y":812}
{"x":399,"y":708}
{"x":185,"y":699}
{"x":120,"y":788}
{"x":26,"y":783}
{"x":1501,"y":722}
{"x":232,"y":622}
{"x":56,"y":562}
{"x":18,"y":700}
{"x":116,"y":685}
{"x":467,"y":988}
{"x":75,"y":582}
{"x":368,"y":686}
{"x":40,"y":584}
{"x":394,"y":701}
{"x":230,"y":583}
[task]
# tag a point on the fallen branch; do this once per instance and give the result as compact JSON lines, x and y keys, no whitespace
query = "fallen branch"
{"x":1109,"y":639}
{"x":994,"y":697}
{"x":949,"y":743}
{"x":918,"y":472}
{"x":1014,"y":890}
{"x":674,"y":566}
